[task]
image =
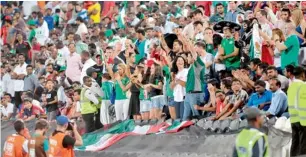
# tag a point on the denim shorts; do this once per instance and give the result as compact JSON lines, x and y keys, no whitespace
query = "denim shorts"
{"x":158,"y":102}
{"x":171,"y":102}
{"x":145,"y":105}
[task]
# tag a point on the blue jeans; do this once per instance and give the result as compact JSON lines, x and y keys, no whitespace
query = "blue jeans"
{"x":190,"y":100}
{"x":179,"y":109}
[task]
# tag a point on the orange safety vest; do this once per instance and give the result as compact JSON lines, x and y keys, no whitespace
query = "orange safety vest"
{"x":13,"y":146}
{"x":56,"y":146}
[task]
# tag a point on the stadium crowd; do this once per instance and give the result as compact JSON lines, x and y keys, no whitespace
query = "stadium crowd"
{"x":102,"y":62}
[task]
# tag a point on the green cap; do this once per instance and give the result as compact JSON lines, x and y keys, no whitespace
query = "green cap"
{"x":63,"y":68}
{"x":108,"y":33}
{"x":32,"y":22}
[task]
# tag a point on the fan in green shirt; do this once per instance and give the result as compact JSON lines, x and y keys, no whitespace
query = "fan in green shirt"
{"x":229,"y":51}
{"x":289,"y":51}
{"x":107,"y":89}
{"x":167,"y":73}
{"x":32,"y":25}
{"x":120,"y":93}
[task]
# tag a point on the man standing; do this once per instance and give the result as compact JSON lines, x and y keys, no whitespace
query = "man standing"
{"x":231,"y":15}
{"x":38,"y":145}
{"x":297,"y":118}
{"x":62,"y":144}
{"x":30,"y":80}
{"x":219,"y":16}
{"x":18,"y":75}
{"x":250,"y":141}
{"x":17,"y":144}
{"x":195,"y":85}
{"x":87,"y":63}
{"x":229,"y":52}
{"x":74,"y":64}
{"x":89,"y":103}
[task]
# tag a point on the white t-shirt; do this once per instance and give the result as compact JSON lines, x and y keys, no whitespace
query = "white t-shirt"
{"x":42,"y":33}
{"x":6,"y":110}
{"x":8,"y":84}
{"x":82,"y":29}
{"x":19,"y":84}
{"x":179,"y":91}
{"x":277,"y":58}
{"x":89,"y":63}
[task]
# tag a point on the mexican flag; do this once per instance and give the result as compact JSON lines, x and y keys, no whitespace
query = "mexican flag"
{"x":101,"y":140}
{"x":121,"y":16}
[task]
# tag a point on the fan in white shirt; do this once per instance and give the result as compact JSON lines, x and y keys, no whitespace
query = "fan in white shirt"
{"x":6,"y":109}
{"x":82,"y":29}
{"x":87,"y":62}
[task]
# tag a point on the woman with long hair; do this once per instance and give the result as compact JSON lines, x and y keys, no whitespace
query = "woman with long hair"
{"x":135,"y":92}
{"x":178,"y":85}
{"x":121,"y":84}
{"x":277,"y":34}
{"x":155,"y":85}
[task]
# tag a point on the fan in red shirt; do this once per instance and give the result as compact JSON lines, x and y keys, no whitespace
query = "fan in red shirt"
{"x":29,"y":111}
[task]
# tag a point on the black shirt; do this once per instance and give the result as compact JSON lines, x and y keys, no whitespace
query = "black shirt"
{"x":155,"y":81}
{"x":51,"y":97}
{"x":68,"y":141}
{"x":23,"y":48}
{"x":98,"y":79}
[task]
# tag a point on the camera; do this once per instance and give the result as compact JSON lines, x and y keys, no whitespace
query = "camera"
{"x":70,"y":125}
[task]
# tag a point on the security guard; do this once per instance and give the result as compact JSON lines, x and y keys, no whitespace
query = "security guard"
{"x":251,"y":142}
{"x":297,"y":111}
{"x":96,"y":90}
{"x":89,"y":105}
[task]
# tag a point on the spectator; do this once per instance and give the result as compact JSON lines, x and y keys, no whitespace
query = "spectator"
{"x":74,"y":64}
{"x":178,"y":86}
{"x":8,"y":83}
{"x":23,"y":47}
{"x":18,"y":75}
{"x":87,"y":63}
{"x":229,"y":52}
{"x":42,"y":31}
{"x":61,"y":143}
{"x":94,"y":11}
{"x":219,"y":15}
{"x":262,"y":97}
{"x":289,"y":73}
{"x":49,"y":19}
{"x":7,"y":108}
{"x":289,"y":49}
{"x":232,"y":13}
{"x":30,"y":111}
{"x":39,"y":143}
{"x":17,"y":143}
{"x":235,"y":102}
{"x":272,"y":73}
{"x":79,"y":44}
{"x":82,"y":28}
{"x":51,"y":101}
{"x":195,"y":86}
{"x":30,"y":80}
{"x":279,"y":103}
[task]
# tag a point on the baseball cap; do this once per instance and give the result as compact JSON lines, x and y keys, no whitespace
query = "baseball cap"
{"x":252,"y":112}
{"x":91,"y":70}
{"x":63,"y":68}
{"x":62,"y":120}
